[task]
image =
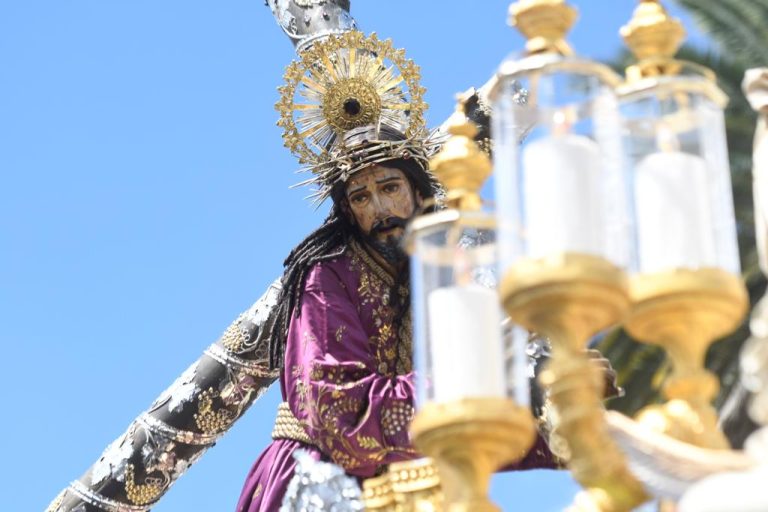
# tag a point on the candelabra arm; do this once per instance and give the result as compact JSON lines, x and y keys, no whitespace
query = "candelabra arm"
{"x":666,"y":466}
{"x":575,"y":387}
{"x":569,"y":298}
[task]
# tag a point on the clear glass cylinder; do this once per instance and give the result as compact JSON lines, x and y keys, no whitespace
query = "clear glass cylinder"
{"x":562,"y":188}
{"x":518,"y":363}
{"x":681,"y":185}
{"x":460,"y":347}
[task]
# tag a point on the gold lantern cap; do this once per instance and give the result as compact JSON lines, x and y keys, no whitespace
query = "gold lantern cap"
{"x":652,"y":33}
{"x":544,"y":23}
{"x":461,"y":166}
{"x":654,"y":37}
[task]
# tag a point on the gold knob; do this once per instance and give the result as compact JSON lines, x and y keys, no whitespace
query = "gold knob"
{"x":544,"y":23}
{"x":461,"y":166}
{"x":654,"y":37}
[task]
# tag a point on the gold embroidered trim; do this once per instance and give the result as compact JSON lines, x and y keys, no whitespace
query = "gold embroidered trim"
{"x":287,"y":426}
{"x":372,"y":264}
{"x":233,"y":338}
{"x":405,"y":347}
{"x":140,"y":494}
{"x":209,"y":420}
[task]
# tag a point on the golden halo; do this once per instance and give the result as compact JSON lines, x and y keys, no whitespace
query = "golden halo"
{"x":341,"y":83}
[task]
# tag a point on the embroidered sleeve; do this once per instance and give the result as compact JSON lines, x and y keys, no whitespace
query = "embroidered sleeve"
{"x":357,"y":416}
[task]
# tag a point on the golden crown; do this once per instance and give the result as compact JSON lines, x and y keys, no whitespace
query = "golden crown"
{"x":339,"y":85}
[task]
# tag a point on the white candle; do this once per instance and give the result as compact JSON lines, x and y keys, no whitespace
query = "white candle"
{"x":563,"y":196}
{"x":672,"y":201}
{"x":465,"y":343}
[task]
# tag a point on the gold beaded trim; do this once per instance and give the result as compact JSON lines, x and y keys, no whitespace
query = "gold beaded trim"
{"x":101,"y":502}
{"x":378,"y":495}
{"x":414,"y":475}
{"x":287,"y":426}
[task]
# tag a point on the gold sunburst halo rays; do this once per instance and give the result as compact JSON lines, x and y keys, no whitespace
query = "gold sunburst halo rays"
{"x":343,"y":82}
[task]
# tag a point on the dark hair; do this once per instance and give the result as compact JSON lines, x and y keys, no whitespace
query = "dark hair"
{"x":329,"y":241}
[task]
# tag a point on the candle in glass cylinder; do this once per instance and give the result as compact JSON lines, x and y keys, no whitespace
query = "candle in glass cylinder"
{"x":563,"y":196}
{"x":672,"y":196}
{"x":465,"y":343}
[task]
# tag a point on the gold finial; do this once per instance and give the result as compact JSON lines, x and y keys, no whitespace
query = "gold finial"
{"x":544,"y":23}
{"x":461,"y":166}
{"x":654,"y":37}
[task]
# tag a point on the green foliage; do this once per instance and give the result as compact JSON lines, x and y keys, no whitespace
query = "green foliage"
{"x":737,"y":27}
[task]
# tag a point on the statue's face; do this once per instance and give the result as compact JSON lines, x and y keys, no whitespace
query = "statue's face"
{"x":381,"y":200}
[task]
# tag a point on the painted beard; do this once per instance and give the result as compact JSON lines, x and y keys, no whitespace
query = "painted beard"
{"x":389,"y":248}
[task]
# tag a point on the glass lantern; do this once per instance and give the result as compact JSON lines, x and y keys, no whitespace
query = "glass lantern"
{"x":685,"y":285}
{"x":675,"y":141}
{"x":463,"y":349}
{"x":564,"y":231}
{"x":562,"y":189}
{"x":466,"y":420}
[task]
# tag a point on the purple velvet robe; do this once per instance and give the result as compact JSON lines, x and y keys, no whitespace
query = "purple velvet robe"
{"x":348,"y":379}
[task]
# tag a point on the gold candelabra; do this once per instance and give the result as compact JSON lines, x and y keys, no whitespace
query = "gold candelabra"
{"x":570,"y":295}
{"x":681,"y":309}
{"x":469,"y":436}
{"x":574,"y":291}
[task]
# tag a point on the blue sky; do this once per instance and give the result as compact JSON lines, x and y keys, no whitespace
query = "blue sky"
{"x":144,"y":203}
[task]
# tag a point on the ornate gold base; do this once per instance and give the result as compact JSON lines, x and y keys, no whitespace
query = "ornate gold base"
{"x":410,"y":486}
{"x":544,"y":23}
{"x":585,"y":292}
{"x":469,"y":440}
{"x":675,"y":309}
{"x":684,"y":311}
{"x":416,"y":485}
{"x":569,"y":298}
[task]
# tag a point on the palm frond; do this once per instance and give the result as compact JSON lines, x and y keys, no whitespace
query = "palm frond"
{"x":737,"y":26}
